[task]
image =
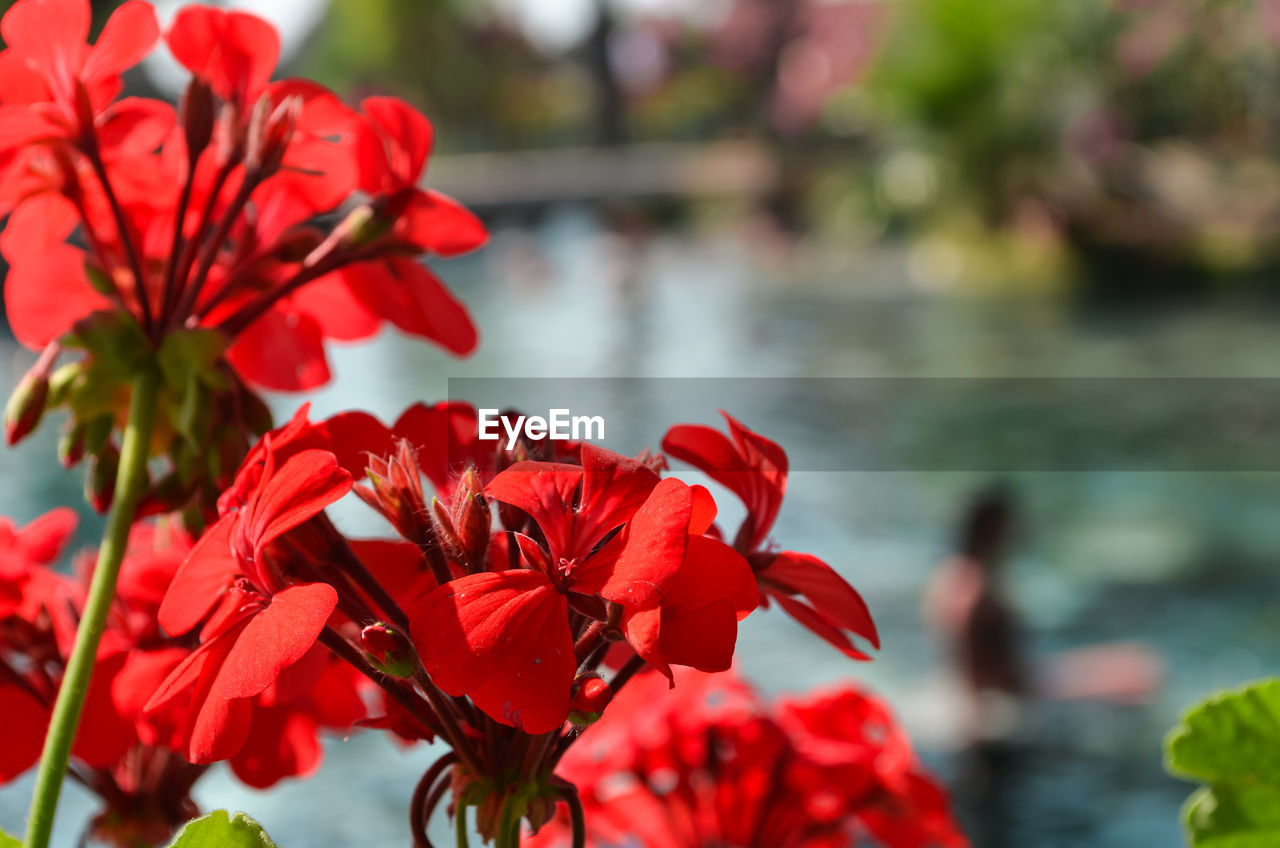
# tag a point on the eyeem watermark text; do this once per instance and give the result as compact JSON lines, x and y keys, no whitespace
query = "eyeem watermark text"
{"x":559,"y":425}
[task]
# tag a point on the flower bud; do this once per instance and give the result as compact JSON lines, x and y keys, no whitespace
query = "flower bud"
{"x":442,"y":523}
{"x":270,"y":132}
{"x":167,"y":494}
{"x":100,"y":480}
{"x":471,"y":518}
{"x":88,"y":138}
{"x":588,"y":698}
{"x":395,"y":490}
{"x":71,"y":445}
{"x":230,"y":145}
{"x":26,"y":405}
{"x":389,"y":650}
{"x":196,"y":113}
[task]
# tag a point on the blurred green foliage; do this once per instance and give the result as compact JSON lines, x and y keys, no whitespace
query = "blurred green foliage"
{"x":473,"y":71}
{"x":1138,"y":138}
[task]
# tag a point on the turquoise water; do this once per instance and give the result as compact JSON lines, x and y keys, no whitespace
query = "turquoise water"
{"x":1182,"y":561}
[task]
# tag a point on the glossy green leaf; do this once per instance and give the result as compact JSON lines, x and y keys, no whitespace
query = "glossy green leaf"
{"x":1231,"y":742}
{"x":220,"y":829}
{"x":7,"y":841}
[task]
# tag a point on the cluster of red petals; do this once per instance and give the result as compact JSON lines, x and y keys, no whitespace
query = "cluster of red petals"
{"x":609,"y":532}
{"x":713,"y":764}
{"x":258,"y":623}
{"x":755,"y":469}
{"x":95,"y":187}
{"x":136,"y":753}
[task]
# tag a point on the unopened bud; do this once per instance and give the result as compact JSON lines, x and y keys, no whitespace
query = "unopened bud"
{"x":471,"y":518}
{"x":270,"y":132}
{"x":71,"y":445}
{"x":362,"y":226}
{"x":230,"y":145}
{"x":88,"y":138}
{"x":26,"y":405}
{"x":588,"y":698}
{"x":443,"y":525}
{"x":167,"y":494}
{"x":389,"y":650}
{"x":196,"y":112}
{"x":100,"y":479}
{"x":61,"y":382}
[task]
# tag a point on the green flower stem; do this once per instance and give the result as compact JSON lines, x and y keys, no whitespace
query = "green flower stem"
{"x":131,"y":480}
{"x":460,"y":822}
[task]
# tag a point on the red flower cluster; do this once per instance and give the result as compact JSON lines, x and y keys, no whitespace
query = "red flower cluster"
{"x":755,"y":469}
{"x":712,"y":764}
{"x":200,"y":241}
{"x":189,"y":253}
{"x":130,"y":754}
{"x":208,"y":216}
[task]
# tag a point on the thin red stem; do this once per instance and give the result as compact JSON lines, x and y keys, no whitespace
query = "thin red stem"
{"x":126,"y":237}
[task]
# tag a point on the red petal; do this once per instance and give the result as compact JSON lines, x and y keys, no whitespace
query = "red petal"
{"x":700,"y":606}
{"x":235,"y":51}
{"x":201,"y":581}
{"x":135,"y":126}
{"x":702,"y":637}
{"x":408,"y":295}
{"x":52,"y":33}
{"x":545,"y":490}
{"x":128,"y":35}
{"x":21,"y":732}
{"x":819,"y":625}
{"x":282,"y":350}
{"x":613,"y":486}
{"x":45,"y":295}
{"x":43,"y":538}
{"x":336,"y":310}
{"x":354,"y":436}
{"x":275,"y":639}
{"x":281,"y":743}
{"x":405,"y":135}
{"x":832,"y":597}
{"x":39,"y":223}
{"x":104,"y":735}
{"x":302,"y":487}
{"x":445,"y":437}
{"x":657,"y":537}
{"x":440,"y":225}
{"x":216,"y":727}
{"x":752,"y":467}
{"x":503,"y":639}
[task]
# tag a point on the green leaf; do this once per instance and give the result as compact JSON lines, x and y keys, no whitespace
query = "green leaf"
{"x":7,"y":841}
{"x":222,"y":830}
{"x":1232,"y":743}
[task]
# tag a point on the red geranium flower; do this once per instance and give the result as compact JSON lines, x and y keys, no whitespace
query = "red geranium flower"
{"x":714,"y":764}
{"x":234,"y":52}
{"x":264,"y":623}
{"x":755,"y":469}
{"x":53,"y":83}
{"x":613,"y":533}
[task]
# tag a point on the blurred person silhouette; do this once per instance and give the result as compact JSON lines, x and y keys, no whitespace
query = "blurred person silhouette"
{"x":967,"y":603}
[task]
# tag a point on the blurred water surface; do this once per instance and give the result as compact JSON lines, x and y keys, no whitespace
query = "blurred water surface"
{"x":1182,"y":561}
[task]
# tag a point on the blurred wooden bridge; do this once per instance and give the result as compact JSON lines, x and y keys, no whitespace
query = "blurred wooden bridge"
{"x":527,"y":179}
